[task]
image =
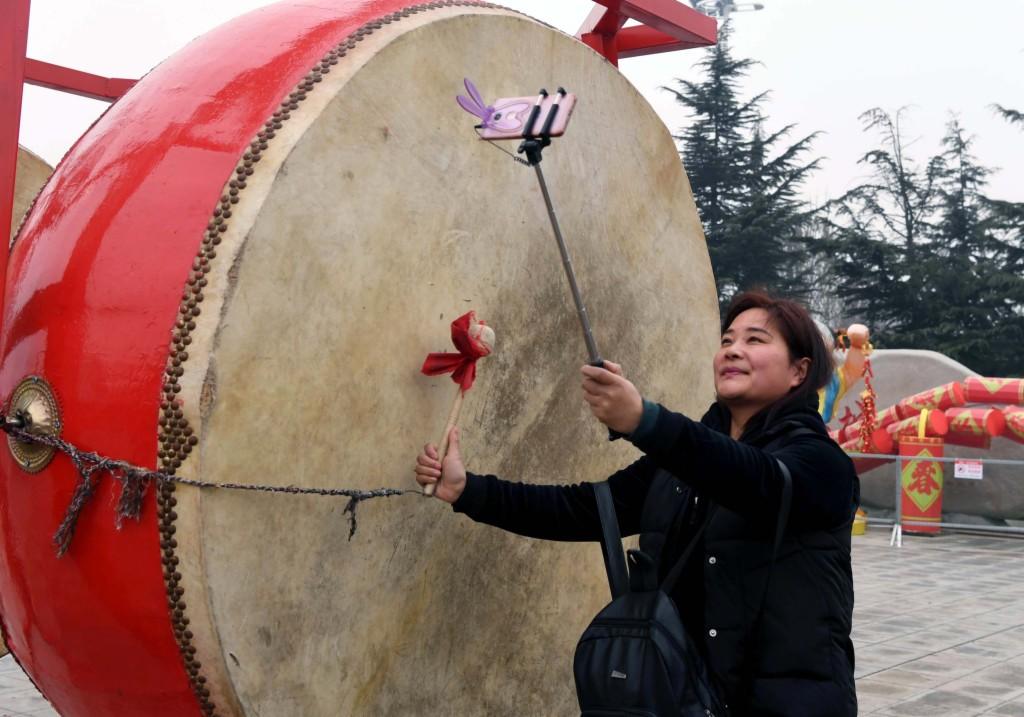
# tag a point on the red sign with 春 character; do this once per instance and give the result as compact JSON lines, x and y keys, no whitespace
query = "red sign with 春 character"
{"x":922,"y":483}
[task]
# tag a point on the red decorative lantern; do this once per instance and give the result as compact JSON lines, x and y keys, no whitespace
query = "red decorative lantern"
{"x":977,"y":422}
{"x":1014,"y":416}
{"x":926,"y":423}
{"x":880,"y":442}
{"x":941,"y":398}
{"x":885,"y":419}
{"x":994,"y":390}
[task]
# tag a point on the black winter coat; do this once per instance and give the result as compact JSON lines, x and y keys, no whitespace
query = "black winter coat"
{"x":800,"y":661}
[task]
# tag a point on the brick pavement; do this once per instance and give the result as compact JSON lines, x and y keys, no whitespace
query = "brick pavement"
{"x":938,"y":626}
{"x":18,"y":696}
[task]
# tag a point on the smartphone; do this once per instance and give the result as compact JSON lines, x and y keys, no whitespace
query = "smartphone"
{"x":511,"y":115}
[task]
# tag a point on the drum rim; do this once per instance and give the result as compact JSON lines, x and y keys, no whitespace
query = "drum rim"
{"x":172,"y":425}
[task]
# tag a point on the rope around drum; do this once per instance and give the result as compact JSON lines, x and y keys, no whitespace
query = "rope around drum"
{"x":135,"y":480}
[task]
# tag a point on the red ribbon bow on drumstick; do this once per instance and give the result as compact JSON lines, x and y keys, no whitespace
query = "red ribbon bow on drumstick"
{"x":467,"y":335}
{"x":474,"y":340}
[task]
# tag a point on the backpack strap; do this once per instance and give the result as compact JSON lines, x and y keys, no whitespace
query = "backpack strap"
{"x":611,"y":541}
{"x":785,"y":501}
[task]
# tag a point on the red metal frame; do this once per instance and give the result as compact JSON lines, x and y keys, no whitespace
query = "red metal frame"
{"x":13,"y":41}
{"x":76,"y":82}
{"x":665,"y":26}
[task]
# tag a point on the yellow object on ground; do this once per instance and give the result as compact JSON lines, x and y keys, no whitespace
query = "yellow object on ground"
{"x":860,"y":522}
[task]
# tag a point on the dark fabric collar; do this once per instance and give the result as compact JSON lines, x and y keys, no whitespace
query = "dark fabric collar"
{"x":719,"y":418}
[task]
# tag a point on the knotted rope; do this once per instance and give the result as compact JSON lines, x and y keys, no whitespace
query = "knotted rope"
{"x":135,"y":481}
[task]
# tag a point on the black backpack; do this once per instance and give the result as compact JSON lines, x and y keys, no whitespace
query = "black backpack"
{"x":635,"y":658}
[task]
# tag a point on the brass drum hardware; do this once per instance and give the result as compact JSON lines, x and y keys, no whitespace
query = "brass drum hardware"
{"x":35,"y":408}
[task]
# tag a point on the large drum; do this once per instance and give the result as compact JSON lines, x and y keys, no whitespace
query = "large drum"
{"x":235,"y":275}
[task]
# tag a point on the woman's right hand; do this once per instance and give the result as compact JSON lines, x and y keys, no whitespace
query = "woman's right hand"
{"x":452,"y":474}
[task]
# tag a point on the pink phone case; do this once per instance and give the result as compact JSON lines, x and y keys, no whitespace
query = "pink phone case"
{"x":511,"y":114}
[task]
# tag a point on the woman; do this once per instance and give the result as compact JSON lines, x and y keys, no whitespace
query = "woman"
{"x":797,"y":659}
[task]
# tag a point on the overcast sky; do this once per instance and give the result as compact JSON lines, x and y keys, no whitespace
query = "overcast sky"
{"x":825,"y":62}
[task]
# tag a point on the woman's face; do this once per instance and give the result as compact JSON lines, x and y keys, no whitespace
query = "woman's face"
{"x":753,"y":367}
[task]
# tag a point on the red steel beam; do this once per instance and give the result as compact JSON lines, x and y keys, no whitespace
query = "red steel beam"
{"x":672,"y":18}
{"x":642,"y":40}
{"x":603,"y":45}
{"x":13,"y":41}
{"x":666,"y":25}
{"x":599,"y":29}
{"x":76,"y":82}
{"x":605,"y":20}
{"x":15,"y":71}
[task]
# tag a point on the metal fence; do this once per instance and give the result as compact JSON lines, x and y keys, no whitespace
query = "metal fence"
{"x":896,"y":537}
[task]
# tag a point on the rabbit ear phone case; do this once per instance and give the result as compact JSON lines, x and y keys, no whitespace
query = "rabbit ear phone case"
{"x":507,"y":117}
{"x":535,"y":120}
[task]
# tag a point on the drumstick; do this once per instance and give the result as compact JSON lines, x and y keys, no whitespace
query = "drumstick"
{"x":485,"y":335}
{"x":442,"y":445}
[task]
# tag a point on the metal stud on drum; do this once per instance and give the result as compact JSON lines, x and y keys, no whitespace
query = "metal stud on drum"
{"x":34,"y":404}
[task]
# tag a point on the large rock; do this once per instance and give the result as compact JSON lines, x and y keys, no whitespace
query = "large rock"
{"x":899,"y":373}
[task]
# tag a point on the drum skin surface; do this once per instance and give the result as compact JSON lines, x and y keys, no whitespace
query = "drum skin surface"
{"x":235,"y":275}
{"x":32,"y":173}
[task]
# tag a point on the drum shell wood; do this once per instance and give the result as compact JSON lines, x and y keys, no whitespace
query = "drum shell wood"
{"x":95,"y":287}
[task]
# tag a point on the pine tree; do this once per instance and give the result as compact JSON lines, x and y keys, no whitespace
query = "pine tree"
{"x":880,"y":232}
{"x":773,"y":224}
{"x":1010,"y":115}
{"x":745,"y":187}
{"x":1008,"y":224}
{"x":975,"y":269}
{"x":963,"y":250}
{"x":926,"y":258}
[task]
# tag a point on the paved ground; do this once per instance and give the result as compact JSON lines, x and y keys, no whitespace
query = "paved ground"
{"x":939,"y":630}
{"x":939,"y":625}
{"x":17,"y":694}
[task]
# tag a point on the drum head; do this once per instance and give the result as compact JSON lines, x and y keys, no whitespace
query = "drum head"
{"x":373,"y":219}
{"x":32,"y":173}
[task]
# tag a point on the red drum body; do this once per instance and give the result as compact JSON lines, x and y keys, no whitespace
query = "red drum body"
{"x":235,"y":275}
{"x":93,"y":287}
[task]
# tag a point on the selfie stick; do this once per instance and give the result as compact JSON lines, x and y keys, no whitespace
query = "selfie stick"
{"x":532,"y":147}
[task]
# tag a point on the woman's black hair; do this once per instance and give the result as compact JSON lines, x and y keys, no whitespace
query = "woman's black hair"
{"x":802,"y":338}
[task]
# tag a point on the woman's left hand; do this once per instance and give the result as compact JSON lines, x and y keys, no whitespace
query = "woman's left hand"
{"x":613,"y":399}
